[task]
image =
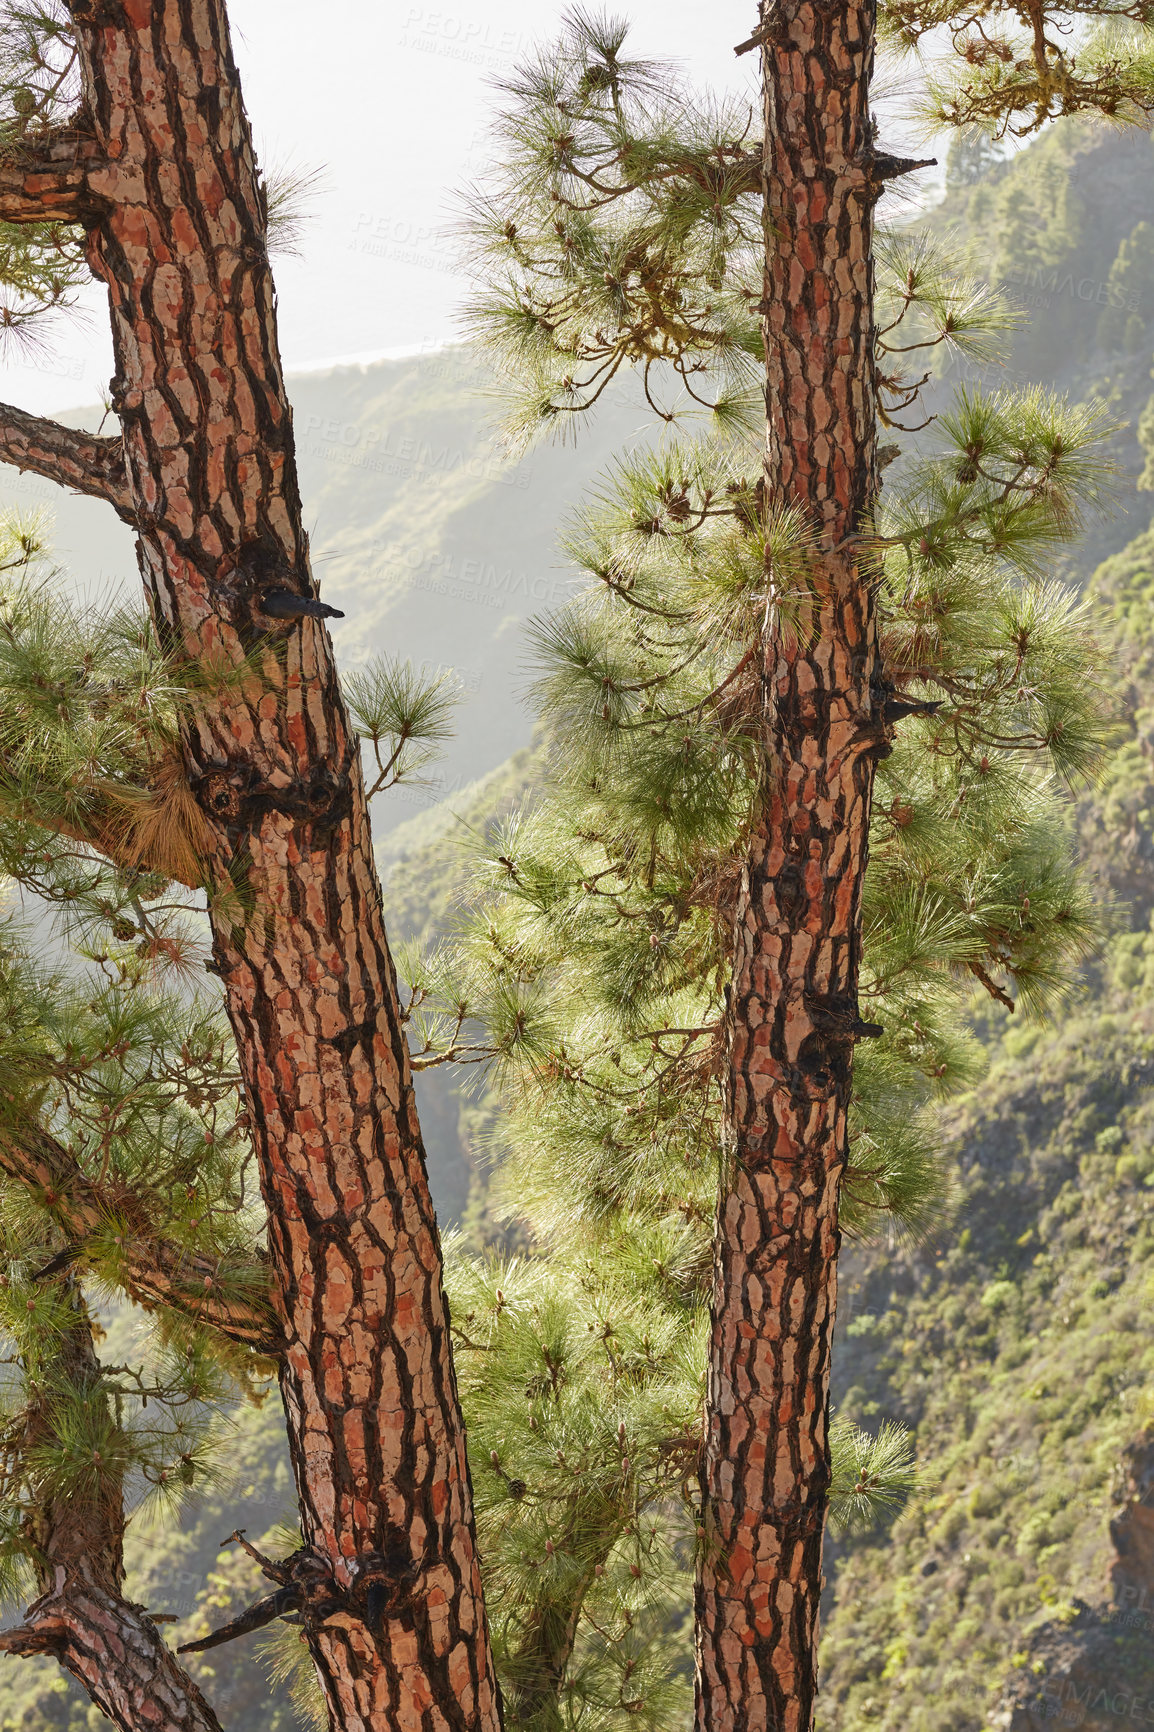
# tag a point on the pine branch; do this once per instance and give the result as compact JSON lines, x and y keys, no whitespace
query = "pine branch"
{"x":761,"y":35}
{"x":51,"y":181}
{"x":30,"y":1640}
{"x":280,"y":1572}
{"x":75,"y":1535}
{"x":80,"y":461}
{"x":881,"y":166}
{"x":154,"y":1271}
{"x":155,"y":825}
{"x":254,"y":1617}
{"x":991,"y":985}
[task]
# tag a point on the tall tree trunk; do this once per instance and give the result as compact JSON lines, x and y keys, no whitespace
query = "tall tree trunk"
{"x":159,"y":167}
{"x":793,"y":1014}
{"x":81,"y":1618}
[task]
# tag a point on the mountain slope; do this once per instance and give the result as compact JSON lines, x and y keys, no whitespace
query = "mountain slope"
{"x":1022,"y":1357}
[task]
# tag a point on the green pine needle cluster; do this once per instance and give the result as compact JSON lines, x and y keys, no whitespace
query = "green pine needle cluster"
{"x":402,"y":715}
{"x":1008,"y":71}
{"x":41,"y":264}
{"x":621,"y":228}
{"x":129,"y":1097}
{"x":123,"y":1124}
{"x":582,"y":1399}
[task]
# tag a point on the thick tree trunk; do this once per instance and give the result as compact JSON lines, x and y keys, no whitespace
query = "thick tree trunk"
{"x":793,"y":1015}
{"x":81,"y":1618}
{"x":169,"y":194}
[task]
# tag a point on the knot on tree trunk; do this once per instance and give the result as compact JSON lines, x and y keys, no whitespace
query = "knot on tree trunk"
{"x":244,"y":582}
{"x":382,"y":1585}
{"x":236,"y":797}
{"x":91,"y":14}
{"x":824,"y":1063}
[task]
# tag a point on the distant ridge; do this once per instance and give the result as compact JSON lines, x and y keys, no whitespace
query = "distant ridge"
{"x":370,"y":357}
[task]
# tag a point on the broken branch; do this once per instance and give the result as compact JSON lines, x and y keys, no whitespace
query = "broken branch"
{"x":991,"y":986}
{"x":50,"y":181}
{"x":255,"y":1617}
{"x":72,"y":459}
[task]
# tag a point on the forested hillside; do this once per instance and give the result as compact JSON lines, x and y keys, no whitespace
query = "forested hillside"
{"x":1018,"y":1590}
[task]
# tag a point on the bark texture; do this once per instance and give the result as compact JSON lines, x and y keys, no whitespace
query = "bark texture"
{"x":81,"y":461}
{"x":81,"y":1618}
{"x":388,"y":1578}
{"x":46,"y":179}
{"x":793,"y":1012}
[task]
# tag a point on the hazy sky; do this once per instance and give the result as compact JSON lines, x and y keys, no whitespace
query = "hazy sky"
{"x":392,"y":101}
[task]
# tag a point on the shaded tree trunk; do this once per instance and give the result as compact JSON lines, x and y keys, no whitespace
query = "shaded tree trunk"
{"x":159,"y":168}
{"x":793,"y":1013}
{"x":81,"y":1618}
{"x":535,"y":1667}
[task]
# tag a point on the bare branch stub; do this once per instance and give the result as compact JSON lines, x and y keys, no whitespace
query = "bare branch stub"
{"x":73,"y":459}
{"x":48,"y":181}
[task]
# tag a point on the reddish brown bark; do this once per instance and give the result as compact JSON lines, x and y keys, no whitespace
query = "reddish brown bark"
{"x":81,"y":1618}
{"x":389,"y":1572}
{"x":81,"y":461}
{"x":793,"y":1015}
{"x":45,"y":179}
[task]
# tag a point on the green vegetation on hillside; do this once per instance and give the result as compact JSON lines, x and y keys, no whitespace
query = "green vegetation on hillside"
{"x":1021,"y":1356}
{"x":1016,"y":1345}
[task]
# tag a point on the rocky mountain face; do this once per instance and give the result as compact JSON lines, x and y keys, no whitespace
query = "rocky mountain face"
{"x":1094,"y":1671}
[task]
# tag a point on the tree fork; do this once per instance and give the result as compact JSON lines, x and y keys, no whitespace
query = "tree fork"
{"x":110,"y":1645}
{"x":793,"y":1014}
{"x":176,"y":226}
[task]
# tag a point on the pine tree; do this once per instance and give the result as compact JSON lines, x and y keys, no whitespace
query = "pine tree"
{"x":585,"y":1548}
{"x":770,"y":631}
{"x":127,"y":150}
{"x":123,"y":1152}
{"x":970,"y":156}
{"x":69,"y":1451}
{"x":1125,"y":319}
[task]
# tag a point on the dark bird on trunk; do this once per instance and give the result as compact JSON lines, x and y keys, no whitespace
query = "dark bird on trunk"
{"x":285,"y":604}
{"x":897,"y":709}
